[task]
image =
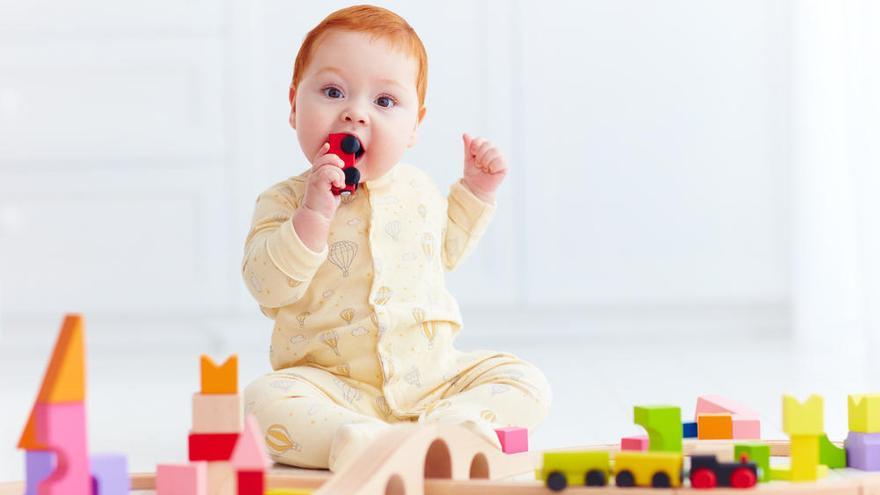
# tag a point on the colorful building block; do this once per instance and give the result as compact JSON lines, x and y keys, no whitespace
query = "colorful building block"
{"x":746,"y":427}
{"x":831,"y":455}
{"x":211,"y":446}
{"x":689,"y":429}
{"x":64,"y":380}
{"x":221,"y":478}
{"x":804,"y":458}
{"x":715,"y":426}
{"x":216,"y":413}
{"x":221,"y":379}
{"x":513,"y":439}
{"x":62,"y":428}
{"x":289,"y":491}
{"x":38,"y":465}
{"x":663,"y":424}
{"x":250,"y":451}
{"x":637,"y":443}
{"x":182,"y":479}
{"x":803,"y":419}
{"x":864,"y":413}
{"x":251,"y":482}
{"x":863,"y":451}
{"x":110,"y":474}
{"x":719,"y":404}
{"x":758,"y":453}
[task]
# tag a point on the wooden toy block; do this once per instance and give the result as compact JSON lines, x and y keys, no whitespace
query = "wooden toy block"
{"x":758,"y":453}
{"x":289,"y":491}
{"x":216,"y":413}
{"x":831,"y":455}
{"x":110,"y":474}
{"x":689,"y":429}
{"x":62,"y":428}
{"x":64,"y":380}
{"x":715,"y":426}
{"x":864,"y":413}
{"x":719,"y":404}
{"x":804,"y":458}
{"x":721,"y":449}
{"x":561,"y":469}
{"x":182,"y":479}
{"x":250,"y":451}
{"x":863,"y":451}
{"x":803,"y":419}
{"x":219,"y":379}
{"x":513,"y":439}
{"x":746,"y":427}
{"x":251,"y":482}
{"x":38,"y":464}
{"x":637,"y":443}
{"x":663,"y":424}
{"x":211,"y":446}
{"x":221,"y":478}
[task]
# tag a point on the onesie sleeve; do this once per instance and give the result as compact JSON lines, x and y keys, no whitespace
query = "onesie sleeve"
{"x":467,"y":220}
{"x":277,"y":266}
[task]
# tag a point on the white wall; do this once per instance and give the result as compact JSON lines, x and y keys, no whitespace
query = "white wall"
{"x":648,"y":141}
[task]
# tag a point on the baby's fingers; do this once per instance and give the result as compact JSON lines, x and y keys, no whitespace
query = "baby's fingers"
{"x":330,"y":174}
{"x":321,"y":152}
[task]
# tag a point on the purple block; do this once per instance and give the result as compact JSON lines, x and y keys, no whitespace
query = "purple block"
{"x":39,"y":464}
{"x":110,"y":474}
{"x":863,"y":451}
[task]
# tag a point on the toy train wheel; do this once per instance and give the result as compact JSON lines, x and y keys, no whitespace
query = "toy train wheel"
{"x":743,"y":477}
{"x":556,"y":481}
{"x":595,"y":478}
{"x":661,"y":480}
{"x":625,"y":479}
{"x":703,"y":478}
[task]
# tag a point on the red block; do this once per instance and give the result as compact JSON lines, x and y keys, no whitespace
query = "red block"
{"x":211,"y":446}
{"x":251,"y":483}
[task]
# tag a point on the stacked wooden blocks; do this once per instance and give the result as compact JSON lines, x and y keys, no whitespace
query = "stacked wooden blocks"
{"x":224,"y":460}
{"x":54,"y":438}
{"x":719,"y":418}
{"x":863,"y":441}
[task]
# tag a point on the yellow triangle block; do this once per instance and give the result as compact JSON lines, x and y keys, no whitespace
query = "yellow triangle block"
{"x":220,"y":379}
{"x":65,"y":378}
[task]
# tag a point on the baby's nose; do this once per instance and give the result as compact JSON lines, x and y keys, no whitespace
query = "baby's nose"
{"x":354,"y":116}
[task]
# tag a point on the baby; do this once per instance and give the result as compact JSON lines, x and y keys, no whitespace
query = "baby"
{"x":364,"y":325}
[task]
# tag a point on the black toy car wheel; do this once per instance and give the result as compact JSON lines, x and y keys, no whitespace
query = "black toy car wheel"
{"x":556,"y":481}
{"x":595,"y":478}
{"x":624,"y":479}
{"x":661,"y":480}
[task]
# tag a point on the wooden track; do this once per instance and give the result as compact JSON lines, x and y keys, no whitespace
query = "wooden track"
{"x":447,"y":460}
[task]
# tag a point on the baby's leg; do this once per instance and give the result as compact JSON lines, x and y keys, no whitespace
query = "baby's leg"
{"x":499,"y":391}
{"x":301,"y":411}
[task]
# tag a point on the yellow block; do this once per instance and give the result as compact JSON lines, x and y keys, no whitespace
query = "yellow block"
{"x":864,"y":413}
{"x":804,"y":458}
{"x":803,"y":418}
{"x":220,"y":379}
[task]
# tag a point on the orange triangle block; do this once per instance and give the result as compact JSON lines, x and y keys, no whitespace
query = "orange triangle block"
{"x":65,"y":378}
{"x":249,"y":453}
{"x":220,"y":379}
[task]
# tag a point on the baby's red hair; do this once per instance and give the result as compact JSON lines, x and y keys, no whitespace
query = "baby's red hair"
{"x":379,"y":23}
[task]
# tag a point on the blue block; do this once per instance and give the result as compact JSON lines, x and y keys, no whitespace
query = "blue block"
{"x":689,"y":430}
{"x":110,"y":474}
{"x":39,"y":464}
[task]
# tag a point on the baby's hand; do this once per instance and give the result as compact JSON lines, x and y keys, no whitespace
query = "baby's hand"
{"x":484,"y":167}
{"x":326,"y":172}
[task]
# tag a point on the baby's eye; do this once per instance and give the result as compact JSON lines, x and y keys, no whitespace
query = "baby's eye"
{"x":385,"y":101}
{"x":331,"y":92}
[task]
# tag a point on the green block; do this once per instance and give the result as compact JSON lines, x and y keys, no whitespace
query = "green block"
{"x":831,"y":455}
{"x":758,"y":453}
{"x":663,"y":424}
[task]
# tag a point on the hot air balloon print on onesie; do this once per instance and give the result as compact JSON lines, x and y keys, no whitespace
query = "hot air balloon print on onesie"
{"x":383,"y":295}
{"x":418,"y":314}
{"x":428,"y":245}
{"x":278,"y":440}
{"x":341,"y":254}
{"x":331,"y":339}
{"x":347,"y":315}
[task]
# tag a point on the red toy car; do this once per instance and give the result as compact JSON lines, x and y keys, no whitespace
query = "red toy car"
{"x":349,"y":148}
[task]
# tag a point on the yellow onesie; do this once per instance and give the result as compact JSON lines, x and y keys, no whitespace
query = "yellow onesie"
{"x":364,"y":330}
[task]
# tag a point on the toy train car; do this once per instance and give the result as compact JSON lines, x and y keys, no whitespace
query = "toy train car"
{"x":644,"y":469}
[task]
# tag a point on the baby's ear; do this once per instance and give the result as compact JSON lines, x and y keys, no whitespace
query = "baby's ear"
{"x":415,"y":133}
{"x":291,"y":97}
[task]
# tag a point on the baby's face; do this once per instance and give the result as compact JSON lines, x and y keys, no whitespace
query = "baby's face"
{"x":360,"y":86}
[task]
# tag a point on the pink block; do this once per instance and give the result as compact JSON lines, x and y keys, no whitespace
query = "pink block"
{"x":62,"y":429}
{"x":513,"y":439}
{"x":746,"y":427}
{"x":718,"y":404}
{"x":182,"y":479}
{"x":250,"y":452}
{"x":634,"y":443}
